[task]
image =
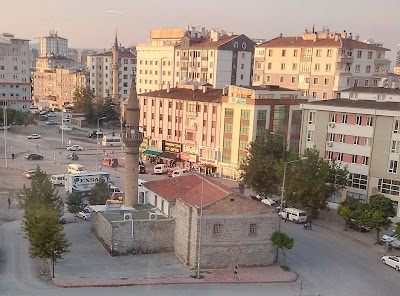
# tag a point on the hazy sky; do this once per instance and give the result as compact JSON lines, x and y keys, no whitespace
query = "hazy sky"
{"x":86,"y":23}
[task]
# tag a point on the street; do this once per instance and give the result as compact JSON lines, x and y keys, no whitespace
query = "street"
{"x":327,"y":262}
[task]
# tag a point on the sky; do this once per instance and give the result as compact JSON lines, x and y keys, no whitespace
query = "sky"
{"x":88,"y":24}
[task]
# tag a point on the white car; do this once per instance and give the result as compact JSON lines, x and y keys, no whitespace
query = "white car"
{"x":389,"y":237}
{"x":395,"y":244}
{"x":65,"y":119}
{"x":269,"y":201}
{"x":51,"y":114}
{"x":67,"y":128}
{"x":84,"y":214}
{"x":392,"y":261}
{"x":74,"y":148}
{"x":34,"y":136}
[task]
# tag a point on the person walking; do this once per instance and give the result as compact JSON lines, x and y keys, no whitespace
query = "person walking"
{"x":235,"y":273}
{"x":9,"y":202}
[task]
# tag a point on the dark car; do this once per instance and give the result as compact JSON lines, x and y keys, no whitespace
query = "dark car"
{"x":353,"y":224}
{"x":72,"y":156}
{"x":142,"y":169}
{"x":93,"y":134}
{"x":33,"y":156}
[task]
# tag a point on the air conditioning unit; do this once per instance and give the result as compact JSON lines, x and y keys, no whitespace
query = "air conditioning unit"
{"x":127,"y":216}
{"x":331,"y":124}
{"x":329,"y":144}
{"x":152,"y":216}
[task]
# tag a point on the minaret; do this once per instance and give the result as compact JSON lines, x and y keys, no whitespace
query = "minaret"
{"x":132,"y":139}
{"x":115,"y":74}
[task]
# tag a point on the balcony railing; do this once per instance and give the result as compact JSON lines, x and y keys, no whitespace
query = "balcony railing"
{"x":344,"y":59}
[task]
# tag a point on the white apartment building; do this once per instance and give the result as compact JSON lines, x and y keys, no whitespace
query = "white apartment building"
{"x":15,"y":86}
{"x":53,"y":45}
{"x":100,"y":67}
{"x":177,"y":56}
{"x":320,"y":64}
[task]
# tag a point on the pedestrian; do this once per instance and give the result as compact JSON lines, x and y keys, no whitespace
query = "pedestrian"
{"x":9,"y":202}
{"x":235,"y":273}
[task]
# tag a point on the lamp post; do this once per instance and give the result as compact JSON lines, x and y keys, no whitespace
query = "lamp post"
{"x":282,"y":197}
{"x":97,"y":140}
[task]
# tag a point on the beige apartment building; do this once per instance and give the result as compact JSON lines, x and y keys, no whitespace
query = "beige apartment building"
{"x":362,"y":131}
{"x":320,"y":64}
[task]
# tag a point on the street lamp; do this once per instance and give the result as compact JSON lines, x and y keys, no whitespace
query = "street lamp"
{"x":97,"y":139}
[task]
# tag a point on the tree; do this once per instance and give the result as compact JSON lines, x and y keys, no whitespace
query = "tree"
{"x":350,"y":209}
{"x":376,"y":215}
{"x":83,"y":103}
{"x":397,"y":229}
{"x":258,"y":171}
{"x":282,"y":241}
{"x":46,"y":237}
{"x":75,"y":203}
{"x":309,"y":183}
{"x":99,"y":193}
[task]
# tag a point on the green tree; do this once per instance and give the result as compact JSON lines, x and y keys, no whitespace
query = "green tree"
{"x":309,"y":183}
{"x":282,"y":241}
{"x":46,"y":237}
{"x":258,"y":171}
{"x":99,"y":193}
{"x":108,"y":109}
{"x":376,"y":215}
{"x":397,"y":229}
{"x":84,"y":99}
{"x":350,"y":209}
{"x":74,"y":203}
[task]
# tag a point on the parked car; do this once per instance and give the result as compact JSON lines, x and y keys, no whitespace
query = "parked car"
{"x":109,"y":161}
{"x":66,"y":128}
{"x":65,"y":119}
{"x":269,"y":201}
{"x":392,"y":261}
{"x":389,"y":237}
{"x":62,"y":220}
{"x":142,"y":169}
{"x":34,"y":136}
{"x":51,"y":114}
{"x":72,"y":156}
{"x":93,"y":134}
{"x":43,"y":117}
{"x":395,"y":244}
{"x":84,"y":214}
{"x":33,"y":156}
{"x":74,"y":148}
{"x":354,"y":225}
{"x":51,"y":122}
{"x":29,"y":173}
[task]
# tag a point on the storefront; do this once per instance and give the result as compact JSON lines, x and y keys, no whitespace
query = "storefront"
{"x":208,"y":159}
{"x":150,"y":155}
{"x":189,"y":156}
{"x":171,"y":153}
{"x":228,"y":171}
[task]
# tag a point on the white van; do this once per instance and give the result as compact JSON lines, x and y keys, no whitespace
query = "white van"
{"x":160,"y":168}
{"x":111,"y":141}
{"x":295,"y":215}
{"x":75,"y":168}
{"x":57,"y":179}
{"x":178,"y":173}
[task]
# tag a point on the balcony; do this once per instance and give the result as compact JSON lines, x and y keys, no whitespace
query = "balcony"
{"x":303,"y":85}
{"x":381,"y":62}
{"x":344,"y":59}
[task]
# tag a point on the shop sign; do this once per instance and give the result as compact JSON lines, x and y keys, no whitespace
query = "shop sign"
{"x":172,"y":147}
{"x":188,"y":157}
{"x":207,"y":161}
{"x":190,"y":149}
{"x":143,"y":145}
{"x":237,"y":100}
{"x":228,"y":166}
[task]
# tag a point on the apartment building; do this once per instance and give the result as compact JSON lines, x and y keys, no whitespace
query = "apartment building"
{"x":182,"y":123}
{"x":101,"y":76}
{"x":320,"y":64}
{"x":15,"y":86}
{"x":73,"y":54}
{"x":177,"y":56}
{"x":53,"y":45}
{"x":83,"y":56}
{"x":247,"y":112}
{"x":360,"y":130}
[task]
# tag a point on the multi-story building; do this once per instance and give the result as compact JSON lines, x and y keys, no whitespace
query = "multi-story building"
{"x":100,"y":67}
{"x":360,"y":130}
{"x":320,"y":64}
{"x":33,"y":55}
{"x":53,"y":45}
{"x":55,"y":62}
{"x":247,"y":113}
{"x":177,"y":56}
{"x":83,"y":57}
{"x":15,"y":86}
{"x":73,"y":54}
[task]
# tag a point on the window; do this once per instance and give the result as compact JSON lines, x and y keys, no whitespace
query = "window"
{"x":365,"y":160}
{"x":228,"y":113}
{"x":367,"y":142}
{"x":283,"y":52}
{"x":354,"y":158}
{"x":333,"y":117}
{"x":358,"y":68}
{"x":330,"y":155}
{"x":368,"y":69}
{"x":295,"y":53}
{"x":317,"y":67}
{"x":387,"y":186}
{"x":315,"y":81}
{"x":396,"y":127}
{"x":392,"y":167}
{"x":228,"y":128}
{"x":294,"y":67}
{"x":311,"y":118}
{"x":326,"y":81}
{"x":370,"y":55}
{"x":329,"y":53}
{"x":245,"y":114}
{"x":281,"y":79}
{"x":270,"y":53}
{"x":269,"y":66}
{"x":314,"y":94}
{"x":253,"y":229}
{"x":356,"y":140}
{"x":369,"y":121}
{"x":318,"y":53}
{"x":324,"y":95}
{"x":332,"y":137}
{"x":310,"y":136}
{"x":366,"y":82}
{"x":358,"y":120}
{"x":359,"y":54}
{"x":340,"y":156}
{"x":342,"y":138}
{"x":344,"y":118}
{"x":327,"y":67}
{"x":395,"y":147}
{"x":244,"y":130}
{"x":227,"y":143}
{"x":357,"y":181}
{"x":243,"y":145}
{"x":282,"y":66}
{"x":217,"y":229}
{"x":293,"y":79}
{"x":268,"y":78}
{"x":262,"y":115}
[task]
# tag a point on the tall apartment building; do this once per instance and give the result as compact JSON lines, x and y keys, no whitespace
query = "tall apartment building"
{"x":33,"y":55}
{"x":15,"y":86}
{"x":83,"y":56}
{"x":73,"y":54}
{"x":360,"y":130}
{"x":247,"y":112}
{"x":177,"y":56}
{"x":101,"y":75}
{"x":320,"y":64}
{"x":53,"y":45}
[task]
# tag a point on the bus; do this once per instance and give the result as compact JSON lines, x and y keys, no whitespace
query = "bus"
{"x":111,"y":141}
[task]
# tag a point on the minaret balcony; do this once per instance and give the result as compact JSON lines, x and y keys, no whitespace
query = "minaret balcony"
{"x":130,"y":136}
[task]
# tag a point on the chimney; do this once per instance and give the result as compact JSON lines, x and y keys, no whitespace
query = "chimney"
{"x":224,"y":91}
{"x":168,"y":88}
{"x":204,"y":88}
{"x":214,"y":36}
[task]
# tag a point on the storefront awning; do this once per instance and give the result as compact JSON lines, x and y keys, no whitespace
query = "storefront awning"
{"x":151,"y":152}
{"x":168,"y":155}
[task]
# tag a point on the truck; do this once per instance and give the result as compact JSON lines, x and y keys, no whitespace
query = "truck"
{"x":83,"y":183}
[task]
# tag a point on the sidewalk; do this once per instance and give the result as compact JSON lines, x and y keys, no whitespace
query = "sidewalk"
{"x":273,"y":274}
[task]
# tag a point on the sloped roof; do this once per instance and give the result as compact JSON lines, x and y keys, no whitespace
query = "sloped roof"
{"x":374,"y":90}
{"x":206,"y":42}
{"x":211,"y":96}
{"x":360,"y":104}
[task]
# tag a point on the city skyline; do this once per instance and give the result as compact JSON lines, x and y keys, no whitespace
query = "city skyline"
{"x":262,"y":20}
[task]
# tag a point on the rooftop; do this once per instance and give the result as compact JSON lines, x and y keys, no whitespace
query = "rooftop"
{"x":211,"y":96}
{"x":121,"y":54}
{"x":268,"y":87}
{"x":375,"y":90}
{"x":206,"y":41}
{"x":360,"y":104}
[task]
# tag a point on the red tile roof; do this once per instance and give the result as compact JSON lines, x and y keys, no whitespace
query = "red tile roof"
{"x":211,"y":96}
{"x":189,"y":188}
{"x":206,"y":42}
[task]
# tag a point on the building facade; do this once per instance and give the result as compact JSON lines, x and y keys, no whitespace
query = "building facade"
{"x":15,"y":86}
{"x":53,"y":45}
{"x":360,"y":130}
{"x":320,"y":64}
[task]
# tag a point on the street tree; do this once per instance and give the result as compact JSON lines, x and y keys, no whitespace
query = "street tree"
{"x":350,"y":209}
{"x":397,"y":229}
{"x":259,"y":169}
{"x":99,"y":193}
{"x":75,"y":203}
{"x":46,"y":237}
{"x":282,"y":241}
{"x":376,"y":215}
{"x":84,"y":99}
{"x":309,"y":183}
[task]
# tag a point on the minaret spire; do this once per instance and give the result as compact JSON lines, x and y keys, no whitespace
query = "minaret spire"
{"x":115,"y":75}
{"x":116,"y":41}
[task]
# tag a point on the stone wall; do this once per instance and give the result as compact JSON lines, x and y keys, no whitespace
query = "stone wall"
{"x":102,"y":229}
{"x":183,"y":227}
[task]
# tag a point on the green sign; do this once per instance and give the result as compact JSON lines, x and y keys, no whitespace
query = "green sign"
{"x":237,"y":100}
